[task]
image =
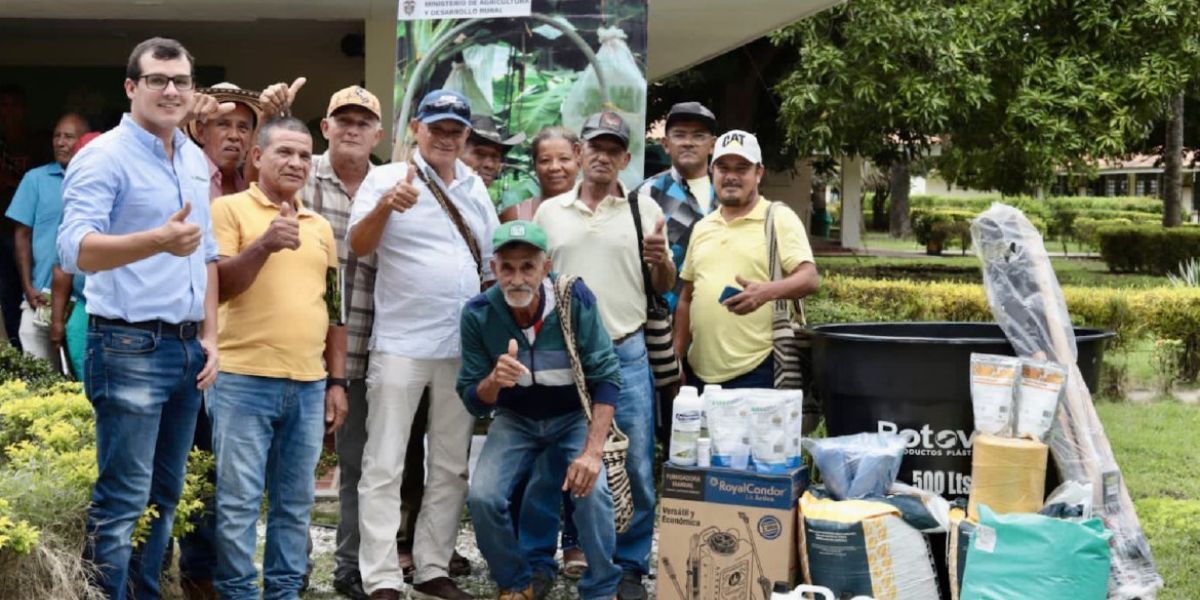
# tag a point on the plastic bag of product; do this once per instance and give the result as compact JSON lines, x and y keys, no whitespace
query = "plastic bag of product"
{"x":1023,"y":555}
{"x":958,"y":541}
{"x":1029,"y":306}
{"x":1071,"y":500}
{"x":770,"y":430}
{"x":795,"y":415}
{"x":993,"y":386}
{"x":873,"y":547}
{"x":862,"y":465}
{"x":1038,"y":396}
{"x":728,"y":424}
{"x":626,"y":83}
{"x":463,"y":81}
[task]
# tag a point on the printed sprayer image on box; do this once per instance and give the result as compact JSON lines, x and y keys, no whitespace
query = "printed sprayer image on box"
{"x":727,"y":534}
{"x":722,"y":564}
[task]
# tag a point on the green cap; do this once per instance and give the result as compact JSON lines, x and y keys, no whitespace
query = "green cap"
{"x":522,"y":232}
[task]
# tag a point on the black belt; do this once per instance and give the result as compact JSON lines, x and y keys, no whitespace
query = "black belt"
{"x":626,"y":337}
{"x":184,"y":331}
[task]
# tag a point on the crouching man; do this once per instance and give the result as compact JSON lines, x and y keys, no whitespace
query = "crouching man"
{"x":515,"y":361}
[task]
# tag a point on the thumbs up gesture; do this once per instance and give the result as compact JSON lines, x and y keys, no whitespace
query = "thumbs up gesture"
{"x":277,"y":99}
{"x":205,"y":107}
{"x":177,"y":235}
{"x":654,"y":245}
{"x":284,"y":231}
{"x":508,"y":368}
{"x":404,"y":194}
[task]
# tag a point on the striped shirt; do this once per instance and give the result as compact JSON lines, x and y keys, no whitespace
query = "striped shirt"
{"x":325,"y":194}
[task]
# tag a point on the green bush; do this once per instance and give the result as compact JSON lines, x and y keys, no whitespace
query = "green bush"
{"x":37,"y":374}
{"x":47,"y":469}
{"x":1157,"y":313}
{"x":1059,"y":214}
{"x":1147,"y":248}
{"x":937,"y":226}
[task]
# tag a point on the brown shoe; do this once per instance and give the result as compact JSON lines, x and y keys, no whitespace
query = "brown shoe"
{"x":198,"y":589}
{"x":459,"y":565}
{"x":439,"y":588}
{"x":385,"y":594}
{"x":525,"y":594}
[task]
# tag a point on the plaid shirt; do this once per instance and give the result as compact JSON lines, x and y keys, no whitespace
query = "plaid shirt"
{"x":681,"y":211}
{"x":325,"y":194}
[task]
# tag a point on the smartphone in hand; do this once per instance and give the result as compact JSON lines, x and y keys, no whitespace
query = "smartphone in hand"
{"x":728,"y":293}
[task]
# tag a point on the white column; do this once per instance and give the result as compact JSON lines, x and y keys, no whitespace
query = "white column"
{"x":852,"y":187}
{"x":380,"y":65}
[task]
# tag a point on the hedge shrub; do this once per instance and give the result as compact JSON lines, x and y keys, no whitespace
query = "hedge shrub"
{"x":1060,"y":214}
{"x":1147,"y":248}
{"x":1161,"y":313}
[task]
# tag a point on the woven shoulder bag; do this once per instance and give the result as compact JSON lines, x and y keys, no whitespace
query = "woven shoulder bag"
{"x":616,"y":446}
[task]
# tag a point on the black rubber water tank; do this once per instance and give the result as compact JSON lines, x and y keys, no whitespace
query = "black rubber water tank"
{"x":913,"y":379}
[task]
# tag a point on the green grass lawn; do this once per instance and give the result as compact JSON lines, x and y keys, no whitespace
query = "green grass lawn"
{"x":1157,"y":448}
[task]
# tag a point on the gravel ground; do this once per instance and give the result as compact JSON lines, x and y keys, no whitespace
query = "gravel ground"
{"x":478,"y":583}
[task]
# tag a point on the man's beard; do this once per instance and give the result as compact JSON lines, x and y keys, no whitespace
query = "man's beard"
{"x":530,"y":296}
{"x":734,"y":201}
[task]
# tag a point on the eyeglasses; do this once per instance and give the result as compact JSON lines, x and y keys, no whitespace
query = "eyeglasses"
{"x":698,"y":137}
{"x":158,"y":82}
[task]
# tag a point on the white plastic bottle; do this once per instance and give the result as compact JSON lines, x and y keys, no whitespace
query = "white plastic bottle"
{"x":685,"y":427}
{"x":703,"y":417}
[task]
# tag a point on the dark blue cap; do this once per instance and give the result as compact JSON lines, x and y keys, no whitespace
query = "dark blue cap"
{"x":439,"y":105}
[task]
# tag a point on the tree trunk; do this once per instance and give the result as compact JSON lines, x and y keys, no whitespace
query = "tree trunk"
{"x":1173,"y":167}
{"x":879,"y":218}
{"x":901,"y":183}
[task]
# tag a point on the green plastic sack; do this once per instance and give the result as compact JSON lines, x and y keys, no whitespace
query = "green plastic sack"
{"x":1032,"y":557}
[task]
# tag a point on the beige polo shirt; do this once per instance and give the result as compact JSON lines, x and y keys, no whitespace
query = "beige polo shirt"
{"x":601,"y":247}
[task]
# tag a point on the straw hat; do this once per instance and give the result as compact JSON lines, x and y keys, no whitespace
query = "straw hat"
{"x":227,"y":92}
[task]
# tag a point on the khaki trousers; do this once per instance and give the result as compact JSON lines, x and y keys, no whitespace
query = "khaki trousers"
{"x":394,"y":386}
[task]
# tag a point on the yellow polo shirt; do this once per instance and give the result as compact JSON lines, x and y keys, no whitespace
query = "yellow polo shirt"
{"x":277,"y":327}
{"x":727,"y":345}
{"x":601,"y":247}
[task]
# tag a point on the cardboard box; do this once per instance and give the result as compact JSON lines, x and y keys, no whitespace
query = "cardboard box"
{"x":726,"y":534}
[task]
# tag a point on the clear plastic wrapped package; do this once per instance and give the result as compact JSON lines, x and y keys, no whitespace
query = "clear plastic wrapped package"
{"x":1028,"y":304}
{"x":863,"y":465}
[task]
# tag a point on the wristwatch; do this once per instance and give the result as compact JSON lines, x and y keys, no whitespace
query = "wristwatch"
{"x":342,"y":381}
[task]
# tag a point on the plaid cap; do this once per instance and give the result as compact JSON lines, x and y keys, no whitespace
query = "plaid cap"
{"x":606,"y":123}
{"x":439,"y":105}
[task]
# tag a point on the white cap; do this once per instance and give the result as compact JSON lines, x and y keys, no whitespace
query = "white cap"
{"x":740,"y":143}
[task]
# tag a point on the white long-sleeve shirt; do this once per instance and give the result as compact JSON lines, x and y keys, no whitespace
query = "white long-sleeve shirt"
{"x":425,"y":272}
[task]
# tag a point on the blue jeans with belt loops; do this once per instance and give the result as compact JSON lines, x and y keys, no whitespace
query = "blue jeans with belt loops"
{"x":142,"y":386}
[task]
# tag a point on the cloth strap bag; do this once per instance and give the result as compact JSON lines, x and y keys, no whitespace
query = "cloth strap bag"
{"x":791,"y":341}
{"x":616,"y":446}
{"x":660,"y":345}
{"x":455,"y":217}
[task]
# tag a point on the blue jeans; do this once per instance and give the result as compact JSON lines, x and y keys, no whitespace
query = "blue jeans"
{"x":513,"y":445}
{"x":537,"y":519}
{"x":198,"y":549}
{"x":267,"y":433}
{"x":635,"y":417}
{"x":142,"y":387}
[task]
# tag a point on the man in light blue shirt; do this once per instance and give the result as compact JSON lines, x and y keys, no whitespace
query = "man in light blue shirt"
{"x":136,"y":222}
{"x":37,"y":210}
